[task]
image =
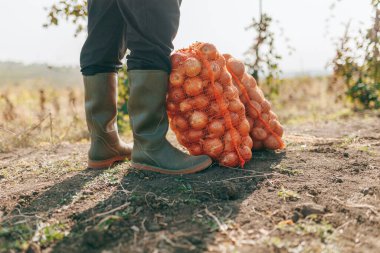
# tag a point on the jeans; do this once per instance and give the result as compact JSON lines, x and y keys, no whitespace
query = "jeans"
{"x":146,"y":28}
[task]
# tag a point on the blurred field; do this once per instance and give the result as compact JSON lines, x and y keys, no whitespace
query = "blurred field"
{"x":46,"y":108}
{"x":39,"y":105}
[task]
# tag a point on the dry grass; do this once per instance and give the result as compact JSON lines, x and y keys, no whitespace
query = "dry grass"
{"x":40,"y":114}
{"x":306,"y":99}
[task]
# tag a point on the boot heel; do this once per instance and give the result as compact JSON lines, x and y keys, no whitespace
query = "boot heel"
{"x":105,"y":164}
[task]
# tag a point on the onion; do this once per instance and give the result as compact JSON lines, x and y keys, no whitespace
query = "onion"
{"x":232,"y":134}
{"x":201,"y":102}
{"x":176,"y":79}
{"x":215,"y":69}
{"x":209,"y":50}
{"x":180,"y":123}
{"x":236,"y":66}
{"x":235,"y":118}
{"x":215,"y":109}
{"x":265,"y":105}
{"x":243,"y":100}
{"x":193,"y":86}
{"x":225,"y":77}
{"x":192,"y":67}
{"x":213,"y":147}
{"x":210,"y":90}
{"x":276,"y":127}
{"x":186,"y":105}
{"x":227,"y":56}
{"x":176,"y":95}
{"x":251,"y":122}
{"x":206,"y":83}
{"x":259,"y":133}
{"x":265,"y":117}
{"x":229,"y":159}
{"x":244,"y":128}
{"x":182,"y":139}
{"x":272,"y":115}
{"x":194,"y":135}
{"x":236,"y":106}
{"x":256,"y":95}
{"x":273,"y":124}
{"x":198,"y":120}
{"x":254,"y":111}
{"x":216,"y":128}
{"x":248,"y":81}
{"x":279,"y":130}
{"x":171,"y":107}
{"x":247,"y":141}
{"x":221,"y":61}
{"x":272,"y":143}
{"x":231,"y":92}
{"x":257,"y":145}
{"x":245,"y":153}
{"x":177,"y":59}
{"x":195,"y":149}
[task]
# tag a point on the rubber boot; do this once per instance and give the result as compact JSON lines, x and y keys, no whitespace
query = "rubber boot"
{"x":149,"y":121}
{"x":101,"y":116}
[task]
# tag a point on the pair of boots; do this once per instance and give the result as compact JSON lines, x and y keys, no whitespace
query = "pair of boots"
{"x":149,"y":121}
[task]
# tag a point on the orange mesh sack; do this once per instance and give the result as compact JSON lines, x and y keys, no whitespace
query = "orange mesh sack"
{"x":266,"y":131}
{"x":204,"y":108}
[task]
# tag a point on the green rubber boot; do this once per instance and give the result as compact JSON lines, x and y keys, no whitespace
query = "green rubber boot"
{"x":101,"y":116}
{"x":149,"y":121}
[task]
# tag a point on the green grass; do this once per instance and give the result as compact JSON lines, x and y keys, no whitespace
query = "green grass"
{"x":282,"y":169}
{"x":288,"y":195}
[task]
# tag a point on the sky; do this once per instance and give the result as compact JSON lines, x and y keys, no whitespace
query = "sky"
{"x":222,"y":22}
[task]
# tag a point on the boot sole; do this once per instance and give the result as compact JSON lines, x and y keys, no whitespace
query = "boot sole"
{"x":193,"y":170}
{"x":105,"y":164}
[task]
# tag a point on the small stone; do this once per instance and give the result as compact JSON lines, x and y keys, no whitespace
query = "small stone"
{"x":135,"y":228}
{"x":33,"y":248}
{"x":345,"y":154}
{"x":338,"y":180}
{"x":307,"y":209}
{"x":365,"y":191}
{"x":296,"y":216}
{"x":368,"y":191}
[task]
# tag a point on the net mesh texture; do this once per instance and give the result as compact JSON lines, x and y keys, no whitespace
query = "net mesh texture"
{"x":217,"y":109}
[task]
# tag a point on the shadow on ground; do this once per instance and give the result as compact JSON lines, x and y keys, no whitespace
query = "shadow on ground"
{"x":62,"y":193}
{"x":157,"y":213}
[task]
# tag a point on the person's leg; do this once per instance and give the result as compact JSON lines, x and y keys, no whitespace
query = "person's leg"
{"x":100,"y":60}
{"x":152,"y":26}
{"x":105,"y":45}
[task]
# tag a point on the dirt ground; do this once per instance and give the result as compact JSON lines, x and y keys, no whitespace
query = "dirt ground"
{"x":321,"y":194}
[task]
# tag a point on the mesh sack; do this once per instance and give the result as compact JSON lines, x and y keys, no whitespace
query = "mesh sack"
{"x":266,"y":131}
{"x":204,"y":107}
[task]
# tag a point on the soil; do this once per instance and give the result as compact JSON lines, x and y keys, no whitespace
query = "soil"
{"x":320,"y":194}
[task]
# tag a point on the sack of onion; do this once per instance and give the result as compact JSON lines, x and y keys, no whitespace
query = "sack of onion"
{"x":204,"y":107}
{"x":266,"y":131}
